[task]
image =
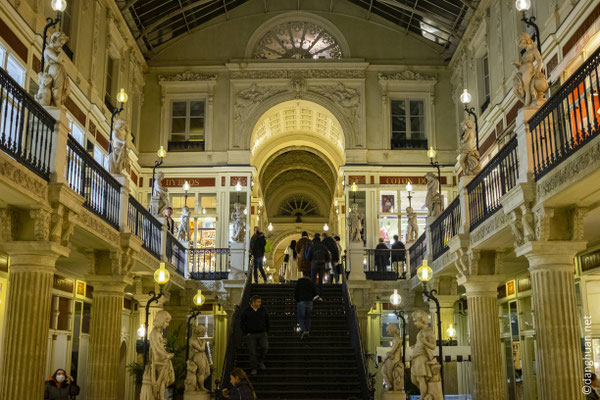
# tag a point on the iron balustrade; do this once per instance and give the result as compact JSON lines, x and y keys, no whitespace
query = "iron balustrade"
{"x":416,"y":254}
{"x":175,"y":253}
{"x":487,"y":188}
{"x":145,"y":226}
{"x":26,"y":129}
{"x":209,"y":263}
{"x":87,"y":177}
{"x":385,"y":264}
{"x":568,"y":120}
{"x":444,"y":228}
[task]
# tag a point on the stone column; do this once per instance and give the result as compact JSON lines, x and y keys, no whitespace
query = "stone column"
{"x":105,"y":339}
{"x":488,"y":377}
{"x":558,"y":345}
{"x":446,"y":313}
{"x":28,"y":309}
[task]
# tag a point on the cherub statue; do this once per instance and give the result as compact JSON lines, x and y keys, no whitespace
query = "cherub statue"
{"x":53,"y":68}
{"x":118,"y":160}
{"x":160,"y":193}
{"x":183,"y":230}
{"x":393,"y":369}
{"x":424,"y":367}
{"x":412,"y":231}
{"x":198,"y":357}
{"x":239,"y":223}
{"x":159,"y":371}
{"x":191,"y":383}
{"x":530,"y":82}
{"x":354,"y":223}
{"x":44,"y":94}
{"x":468,"y":154}
{"x":433,"y":200}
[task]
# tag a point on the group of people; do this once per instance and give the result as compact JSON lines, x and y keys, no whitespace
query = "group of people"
{"x":393,"y":256}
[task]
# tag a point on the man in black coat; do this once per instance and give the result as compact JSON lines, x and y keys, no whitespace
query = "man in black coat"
{"x":382,"y":256}
{"x":319,"y":257}
{"x":257,"y":249}
{"x":398,"y":255}
{"x":255,"y":327}
{"x":304,"y":294}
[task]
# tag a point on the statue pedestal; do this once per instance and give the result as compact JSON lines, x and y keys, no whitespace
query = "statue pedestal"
{"x":237,"y":262}
{"x":196,"y":396}
{"x":394,"y":395}
{"x":154,"y":201}
{"x":356,"y":256}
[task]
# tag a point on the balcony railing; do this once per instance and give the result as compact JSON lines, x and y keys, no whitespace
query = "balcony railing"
{"x":568,"y":120}
{"x":494,"y":181}
{"x":444,"y":228}
{"x":88,"y":178}
{"x":417,"y":254}
{"x":209,"y":264}
{"x":175,"y":253}
{"x":385,"y":265}
{"x":145,"y":226}
{"x":26,"y":129}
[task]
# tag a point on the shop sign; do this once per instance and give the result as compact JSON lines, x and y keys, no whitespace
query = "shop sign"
{"x":590,"y":261}
{"x":403,"y":180}
{"x":62,"y":283}
{"x":80,"y":289}
{"x":359,"y":179}
{"x":233,"y":180}
{"x":194,"y":182}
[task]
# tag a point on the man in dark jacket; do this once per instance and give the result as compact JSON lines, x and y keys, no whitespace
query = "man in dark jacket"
{"x":304,"y":293}
{"x":319,"y":256}
{"x":255,"y":327}
{"x":59,"y":387}
{"x":398,"y":255}
{"x":302,"y":248}
{"x":257,"y":249}
{"x":382,"y":256}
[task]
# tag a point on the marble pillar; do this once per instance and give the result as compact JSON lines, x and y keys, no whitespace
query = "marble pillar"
{"x":488,"y":376}
{"x":28,"y":311}
{"x":356,"y":256}
{"x":105,"y":340}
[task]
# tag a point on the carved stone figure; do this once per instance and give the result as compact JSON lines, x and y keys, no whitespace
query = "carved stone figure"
{"x":393,"y":369}
{"x":160,"y":195}
{"x":346,"y":97}
{"x":54,"y":74}
{"x":201,"y":367}
{"x":159,"y":371}
{"x":118,"y":160}
{"x":183,"y":231}
{"x":247,"y":98}
{"x":354,"y":223}
{"x":433,"y":200}
{"x":412,"y":231}
{"x":468,"y":154}
{"x":530,"y":82}
{"x":424,"y":367}
{"x":239,"y":223}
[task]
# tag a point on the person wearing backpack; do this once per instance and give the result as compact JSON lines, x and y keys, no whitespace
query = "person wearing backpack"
{"x":258,"y":243}
{"x":302,"y":249}
{"x":319,"y":256}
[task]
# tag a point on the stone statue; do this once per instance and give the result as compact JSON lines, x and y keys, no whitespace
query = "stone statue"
{"x":118,"y":160}
{"x":468,"y":154}
{"x":239,"y":223}
{"x":160,"y":195}
{"x":159,"y":371}
{"x":197,"y":364}
{"x":433,"y":201}
{"x":183,"y":231}
{"x":424,"y":367}
{"x":393,"y":369}
{"x":530,"y":82}
{"x":54,"y":83}
{"x":354,"y":223}
{"x":412,"y":231}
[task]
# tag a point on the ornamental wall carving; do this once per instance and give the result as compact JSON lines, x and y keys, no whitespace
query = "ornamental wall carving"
{"x":187,"y":76}
{"x":489,"y":227}
{"x":300,"y":73}
{"x":96,"y":226}
{"x":406,"y":75}
{"x":25,"y":180}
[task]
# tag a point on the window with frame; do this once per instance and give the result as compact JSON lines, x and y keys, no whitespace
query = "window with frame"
{"x":485,"y":84}
{"x":66,"y":21}
{"x":77,"y":132}
{"x":111,"y":79}
{"x":408,"y":124}
{"x":187,"y":125}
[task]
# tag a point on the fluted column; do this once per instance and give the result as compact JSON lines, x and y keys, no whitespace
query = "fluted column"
{"x":105,"y":340}
{"x":488,"y":376}
{"x":28,"y":310}
{"x":558,"y":345}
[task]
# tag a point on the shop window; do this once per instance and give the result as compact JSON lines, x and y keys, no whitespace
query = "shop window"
{"x":408,"y":124}
{"x":15,"y":69}
{"x":187,"y":125}
{"x":66,"y":21}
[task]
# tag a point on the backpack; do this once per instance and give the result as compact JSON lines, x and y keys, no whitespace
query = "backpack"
{"x":321,"y":255}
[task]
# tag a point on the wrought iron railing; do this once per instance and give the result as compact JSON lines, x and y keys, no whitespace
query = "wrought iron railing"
{"x":26,"y":129}
{"x":145,"y":226}
{"x":444,"y":228}
{"x":385,"y":264}
{"x":568,"y":120}
{"x":494,"y":181}
{"x":209,"y":264}
{"x":175,"y":253}
{"x":87,"y":177}
{"x":417,"y":254}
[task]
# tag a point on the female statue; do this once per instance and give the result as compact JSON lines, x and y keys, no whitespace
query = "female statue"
{"x":412,"y":231}
{"x":118,"y":160}
{"x":530,"y":82}
{"x":239,"y":225}
{"x":393,"y":369}
{"x":160,"y":193}
{"x":354,"y":223}
{"x":433,"y":200}
{"x":55,"y":70}
{"x":469,"y":156}
{"x":424,"y":368}
{"x":159,"y":371}
{"x":198,"y":357}
{"x":183,"y":231}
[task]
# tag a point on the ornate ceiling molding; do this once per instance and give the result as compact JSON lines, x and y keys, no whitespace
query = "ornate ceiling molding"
{"x":187,"y":76}
{"x":406,"y":75}
{"x":300,"y":73}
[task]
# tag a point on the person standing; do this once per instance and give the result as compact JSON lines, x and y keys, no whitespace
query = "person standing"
{"x":59,"y":387}
{"x":169,"y":220}
{"x":398,"y":255}
{"x":382,"y":256}
{"x":302,"y":248}
{"x":255,"y":327}
{"x":333,"y":251}
{"x":338,"y":268}
{"x":318,"y":256}
{"x":304,"y":293}
{"x":291,"y":262}
{"x":257,"y":249}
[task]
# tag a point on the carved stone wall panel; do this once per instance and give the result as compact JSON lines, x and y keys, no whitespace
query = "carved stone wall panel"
{"x":490,"y":227}
{"x":21,"y":179}
{"x":300,"y":73}
{"x":95,"y":226}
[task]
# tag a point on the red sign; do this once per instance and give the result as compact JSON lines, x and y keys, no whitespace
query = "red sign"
{"x":403,"y":180}
{"x":233,"y":180}
{"x":359,"y":179}
{"x":194,"y":182}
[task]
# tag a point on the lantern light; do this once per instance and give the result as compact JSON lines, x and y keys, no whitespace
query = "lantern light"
{"x":325,"y":227}
{"x":270,"y":227}
{"x":354,"y":187}
{"x":238,"y":186}
{"x":451,"y":332}
{"x":141,"y":331}
{"x":59,"y":5}
{"x":466,"y":97}
{"x":199,"y":298}
{"x":431,"y":153}
{"x":162,"y":275}
{"x":122,"y":96}
{"x":424,"y":273}
{"x":186,"y":186}
{"x":395,"y":298}
{"x":523,"y":5}
{"x":245,"y":211}
{"x":161,"y":153}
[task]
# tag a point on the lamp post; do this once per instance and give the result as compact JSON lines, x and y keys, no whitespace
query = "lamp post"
{"x":431,"y":154}
{"x":238,"y":189}
{"x":161,"y":153}
{"x":409,"y":189}
{"x":195,"y":311}
{"x":524,"y":6}
{"x":396,"y":299}
{"x":59,"y":6}
{"x":325,"y":227}
{"x":270,"y":227}
{"x":425,"y":273}
{"x":354,"y":188}
{"x":122,"y":99}
{"x":161,"y":276}
{"x":186,"y":188}
{"x":466,"y":98}
{"x":451,"y":332}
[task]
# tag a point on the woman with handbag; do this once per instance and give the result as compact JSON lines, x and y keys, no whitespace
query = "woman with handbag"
{"x":290,"y":260}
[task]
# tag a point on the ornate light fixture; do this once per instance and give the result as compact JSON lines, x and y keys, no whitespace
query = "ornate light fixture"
{"x":451,"y":332}
{"x":141,"y":331}
{"x":186,"y":188}
{"x":326,"y":227}
{"x":431,"y":153}
{"x":466,"y":98}
{"x":59,"y":6}
{"x":396,"y":299}
{"x":523,"y":6}
{"x":409,"y":188}
{"x":161,"y":276}
{"x":354,"y":188}
{"x":160,"y":153}
{"x":199,"y":298}
{"x":121,"y":99}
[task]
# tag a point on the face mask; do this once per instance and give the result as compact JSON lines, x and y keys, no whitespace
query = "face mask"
{"x":60,"y":378}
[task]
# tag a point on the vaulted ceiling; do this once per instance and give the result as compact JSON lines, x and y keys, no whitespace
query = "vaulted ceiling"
{"x":156,"y":22}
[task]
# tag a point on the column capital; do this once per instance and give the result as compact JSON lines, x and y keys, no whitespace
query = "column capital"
{"x":108,"y":284}
{"x":33,"y":255}
{"x":550,"y":254}
{"x":447,"y":300}
{"x":481,"y":285}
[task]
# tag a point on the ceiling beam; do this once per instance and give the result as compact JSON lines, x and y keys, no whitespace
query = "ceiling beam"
{"x":170,"y":15}
{"x":442,"y":21}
